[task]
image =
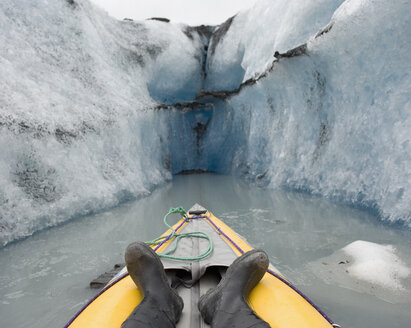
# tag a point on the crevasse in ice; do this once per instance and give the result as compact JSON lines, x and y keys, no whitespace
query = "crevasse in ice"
{"x":95,"y":111}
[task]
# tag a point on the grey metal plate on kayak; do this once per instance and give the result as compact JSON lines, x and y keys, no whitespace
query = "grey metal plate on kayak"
{"x":197,"y":210}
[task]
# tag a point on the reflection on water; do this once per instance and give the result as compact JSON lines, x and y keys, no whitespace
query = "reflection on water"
{"x":44,"y":279}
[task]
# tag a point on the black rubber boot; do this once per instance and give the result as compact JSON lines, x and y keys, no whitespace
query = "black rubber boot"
{"x":161,"y":305}
{"x":225,"y":305}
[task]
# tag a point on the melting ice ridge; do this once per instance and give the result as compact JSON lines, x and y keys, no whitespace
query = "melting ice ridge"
{"x":95,"y":111}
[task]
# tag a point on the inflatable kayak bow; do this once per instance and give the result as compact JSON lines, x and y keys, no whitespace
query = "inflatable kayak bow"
{"x":195,"y":253}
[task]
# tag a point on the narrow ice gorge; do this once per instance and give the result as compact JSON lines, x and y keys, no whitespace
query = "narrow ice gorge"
{"x":95,"y":111}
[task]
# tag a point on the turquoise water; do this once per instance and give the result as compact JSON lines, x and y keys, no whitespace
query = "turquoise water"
{"x":44,"y":279}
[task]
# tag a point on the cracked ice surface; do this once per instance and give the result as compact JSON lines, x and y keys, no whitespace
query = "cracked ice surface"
{"x":334,"y":120}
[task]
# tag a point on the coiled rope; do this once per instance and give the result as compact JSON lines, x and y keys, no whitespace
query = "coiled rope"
{"x":177,"y":236}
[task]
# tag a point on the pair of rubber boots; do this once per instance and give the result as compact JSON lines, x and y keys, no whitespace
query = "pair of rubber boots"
{"x":221,"y":307}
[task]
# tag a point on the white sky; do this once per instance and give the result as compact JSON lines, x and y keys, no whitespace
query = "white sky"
{"x":192,"y":12}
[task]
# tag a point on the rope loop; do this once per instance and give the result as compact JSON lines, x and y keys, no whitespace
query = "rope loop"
{"x":177,"y":236}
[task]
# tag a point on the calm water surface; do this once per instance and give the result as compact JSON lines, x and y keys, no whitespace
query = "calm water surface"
{"x":44,"y":279}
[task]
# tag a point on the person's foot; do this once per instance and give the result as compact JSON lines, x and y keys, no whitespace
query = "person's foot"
{"x":225,"y":305}
{"x":161,"y":305}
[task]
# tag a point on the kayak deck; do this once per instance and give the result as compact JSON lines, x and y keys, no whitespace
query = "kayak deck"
{"x":274,"y":299}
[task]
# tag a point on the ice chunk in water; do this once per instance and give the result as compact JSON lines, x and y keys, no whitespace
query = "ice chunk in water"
{"x":378,"y":264}
{"x":368,"y":268}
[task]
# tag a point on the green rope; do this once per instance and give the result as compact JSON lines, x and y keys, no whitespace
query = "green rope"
{"x":178,"y":236}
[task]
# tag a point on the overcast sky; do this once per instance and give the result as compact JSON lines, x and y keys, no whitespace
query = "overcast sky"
{"x":192,"y":12}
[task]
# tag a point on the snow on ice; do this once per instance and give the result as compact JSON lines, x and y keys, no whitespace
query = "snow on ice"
{"x":367,"y":267}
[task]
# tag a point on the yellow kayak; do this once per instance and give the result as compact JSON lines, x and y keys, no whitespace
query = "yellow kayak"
{"x":274,"y":299}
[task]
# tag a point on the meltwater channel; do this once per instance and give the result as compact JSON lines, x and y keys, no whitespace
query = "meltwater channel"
{"x":44,"y":279}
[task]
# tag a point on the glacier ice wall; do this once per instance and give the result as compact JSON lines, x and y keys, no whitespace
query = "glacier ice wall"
{"x":331,"y":114}
{"x":94,"y":111}
{"x":243,"y":47}
{"x":78,"y":125}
